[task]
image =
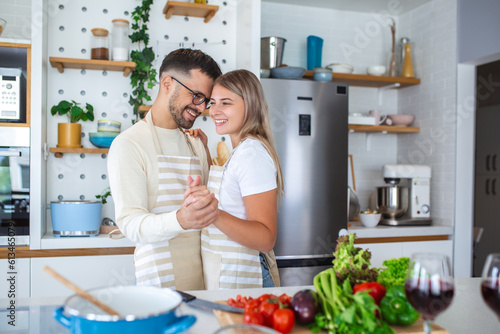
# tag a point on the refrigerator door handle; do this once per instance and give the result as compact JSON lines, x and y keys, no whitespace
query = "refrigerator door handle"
{"x":494,"y":163}
{"x":493,"y":190}
{"x":488,"y":163}
{"x":487,"y":186}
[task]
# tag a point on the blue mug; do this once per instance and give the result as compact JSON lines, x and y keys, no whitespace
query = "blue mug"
{"x":314,"y":52}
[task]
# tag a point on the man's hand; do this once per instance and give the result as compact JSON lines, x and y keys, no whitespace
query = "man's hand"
{"x":199,"y":208}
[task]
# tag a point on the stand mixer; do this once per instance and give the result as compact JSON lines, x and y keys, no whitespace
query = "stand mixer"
{"x":405,"y":200}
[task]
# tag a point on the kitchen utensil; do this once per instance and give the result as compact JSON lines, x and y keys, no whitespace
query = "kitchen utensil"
{"x":3,"y":23}
{"x":392,"y":201}
{"x":400,"y":120}
{"x":314,"y":52}
{"x":340,"y":68}
{"x":265,"y":72}
{"x":287,"y":72}
{"x":102,"y":139}
{"x":106,"y":125}
{"x":377,"y":115}
{"x":145,"y":309}
{"x":75,"y":218}
{"x":375,"y":70}
{"x":205,"y":304}
{"x":406,"y":198}
{"x":353,"y":204}
{"x":271,"y":51}
{"x":407,"y":71}
{"x":392,"y":63}
{"x":82,"y":293}
{"x":429,"y":285}
{"x":370,"y":219}
{"x":401,"y":55}
{"x":322,"y":76}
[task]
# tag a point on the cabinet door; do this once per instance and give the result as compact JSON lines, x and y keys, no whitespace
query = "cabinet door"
{"x":383,"y":251}
{"x":87,"y":272}
{"x":444,"y":247}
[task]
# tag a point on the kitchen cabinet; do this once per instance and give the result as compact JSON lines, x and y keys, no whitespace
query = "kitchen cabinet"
{"x":87,"y":272}
{"x":190,"y":9}
{"x":486,"y":183}
{"x":383,"y":251}
{"x":92,"y":64}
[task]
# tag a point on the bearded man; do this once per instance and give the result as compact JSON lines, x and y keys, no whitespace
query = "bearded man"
{"x":149,"y":165}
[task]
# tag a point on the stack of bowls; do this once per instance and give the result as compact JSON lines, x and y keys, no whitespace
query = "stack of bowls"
{"x":107,"y":131}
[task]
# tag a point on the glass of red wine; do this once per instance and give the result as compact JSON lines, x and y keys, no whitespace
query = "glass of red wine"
{"x":429,"y":285}
{"x":490,"y":288}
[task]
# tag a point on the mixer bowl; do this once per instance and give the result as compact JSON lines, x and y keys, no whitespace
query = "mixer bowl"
{"x":392,"y":201}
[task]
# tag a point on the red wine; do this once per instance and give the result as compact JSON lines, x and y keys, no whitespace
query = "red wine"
{"x":429,"y":301}
{"x":490,"y":290}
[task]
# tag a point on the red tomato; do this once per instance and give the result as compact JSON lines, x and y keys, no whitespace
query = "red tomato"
{"x":376,"y":290}
{"x":265,"y":296}
{"x":235,"y":303}
{"x":252,"y":306}
{"x":267,"y":308}
{"x":254,"y":318}
{"x":283,"y":320}
{"x":285,"y":299}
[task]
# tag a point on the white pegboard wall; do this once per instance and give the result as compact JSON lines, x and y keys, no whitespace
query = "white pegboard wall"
{"x":83,"y":176}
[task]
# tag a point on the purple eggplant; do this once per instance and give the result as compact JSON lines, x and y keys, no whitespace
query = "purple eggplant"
{"x":305,"y":306}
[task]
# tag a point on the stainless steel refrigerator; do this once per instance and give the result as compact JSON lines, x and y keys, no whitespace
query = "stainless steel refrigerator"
{"x":309,"y":124}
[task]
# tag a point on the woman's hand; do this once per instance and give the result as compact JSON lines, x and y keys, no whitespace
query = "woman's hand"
{"x":198,"y":133}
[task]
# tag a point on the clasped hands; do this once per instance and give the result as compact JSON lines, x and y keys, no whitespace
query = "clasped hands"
{"x":199,"y":207}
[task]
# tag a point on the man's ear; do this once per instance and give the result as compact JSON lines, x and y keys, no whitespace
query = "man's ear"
{"x":166,"y":83}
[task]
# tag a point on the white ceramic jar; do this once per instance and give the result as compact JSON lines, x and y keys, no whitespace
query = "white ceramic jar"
{"x":120,"y":40}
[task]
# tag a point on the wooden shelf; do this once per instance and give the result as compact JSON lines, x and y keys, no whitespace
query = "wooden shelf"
{"x":92,"y":64}
{"x":144,"y":109}
{"x":362,"y":80}
{"x":383,"y":128}
{"x":59,"y":151}
{"x":190,"y":9}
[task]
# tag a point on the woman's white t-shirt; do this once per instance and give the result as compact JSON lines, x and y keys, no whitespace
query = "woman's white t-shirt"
{"x":250,"y":171}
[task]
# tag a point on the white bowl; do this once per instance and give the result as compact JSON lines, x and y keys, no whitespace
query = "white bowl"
{"x":322,"y":76}
{"x":265,"y":72}
{"x":341,"y":68}
{"x":376,"y":70}
{"x":370,"y":219}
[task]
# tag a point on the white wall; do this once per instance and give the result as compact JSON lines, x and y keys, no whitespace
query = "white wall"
{"x":17,"y":13}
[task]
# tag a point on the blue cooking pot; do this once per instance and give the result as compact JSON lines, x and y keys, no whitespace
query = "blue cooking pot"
{"x":144,"y":309}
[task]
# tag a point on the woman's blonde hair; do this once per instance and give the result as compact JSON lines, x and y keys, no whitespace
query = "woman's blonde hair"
{"x":256,"y":123}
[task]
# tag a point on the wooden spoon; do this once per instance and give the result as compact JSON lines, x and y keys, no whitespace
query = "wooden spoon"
{"x":80,"y":292}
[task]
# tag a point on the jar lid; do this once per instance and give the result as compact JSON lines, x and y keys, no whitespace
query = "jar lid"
{"x":100,"y":32}
{"x":120,"y":21}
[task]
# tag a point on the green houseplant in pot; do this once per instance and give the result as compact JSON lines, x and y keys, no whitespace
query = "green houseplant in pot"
{"x":70,"y":134}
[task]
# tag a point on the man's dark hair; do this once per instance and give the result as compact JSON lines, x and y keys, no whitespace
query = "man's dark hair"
{"x":185,"y":60}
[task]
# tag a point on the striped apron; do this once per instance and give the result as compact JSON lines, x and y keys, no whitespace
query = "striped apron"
{"x":174,"y":263}
{"x":226,"y":263}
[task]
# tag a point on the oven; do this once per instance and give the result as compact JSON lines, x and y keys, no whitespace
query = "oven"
{"x":14,"y":186}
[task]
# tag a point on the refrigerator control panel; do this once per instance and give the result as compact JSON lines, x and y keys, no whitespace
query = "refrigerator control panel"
{"x":304,"y":125}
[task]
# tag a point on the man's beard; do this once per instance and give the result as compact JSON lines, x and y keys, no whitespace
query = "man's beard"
{"x":177,"y":112}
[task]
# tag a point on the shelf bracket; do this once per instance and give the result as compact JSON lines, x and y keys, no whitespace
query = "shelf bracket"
{"x":381,"y":91}
{"x":60,"y":67}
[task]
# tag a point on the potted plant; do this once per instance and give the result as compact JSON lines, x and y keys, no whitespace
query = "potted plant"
{"x":70,"y":134}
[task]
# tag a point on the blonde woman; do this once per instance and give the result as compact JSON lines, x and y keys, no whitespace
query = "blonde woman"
{"x":237,"y":247}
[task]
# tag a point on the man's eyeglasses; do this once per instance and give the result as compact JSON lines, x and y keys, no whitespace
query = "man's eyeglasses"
{"x":198,"y":98}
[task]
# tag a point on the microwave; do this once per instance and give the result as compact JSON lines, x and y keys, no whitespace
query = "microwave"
{"x":12,"y":95}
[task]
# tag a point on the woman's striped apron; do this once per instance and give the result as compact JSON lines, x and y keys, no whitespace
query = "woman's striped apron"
{"x":226,"y":263}
{"x":177,"y":262}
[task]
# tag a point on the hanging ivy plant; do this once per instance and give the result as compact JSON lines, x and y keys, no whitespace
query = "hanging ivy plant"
{"x":143,"y":77}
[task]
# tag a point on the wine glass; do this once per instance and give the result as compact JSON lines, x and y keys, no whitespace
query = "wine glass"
{"x":429,"y":285}
{"x":490,"y":288}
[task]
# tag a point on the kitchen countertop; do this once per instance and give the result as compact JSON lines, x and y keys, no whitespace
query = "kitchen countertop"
{"x":467,"y":314}
{"x":49,"y":241}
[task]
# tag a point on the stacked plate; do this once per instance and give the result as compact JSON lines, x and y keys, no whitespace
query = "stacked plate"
{"x":107,"y":131}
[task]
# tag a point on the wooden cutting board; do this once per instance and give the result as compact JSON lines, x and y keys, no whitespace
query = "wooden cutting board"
{"x":226,"y":318}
